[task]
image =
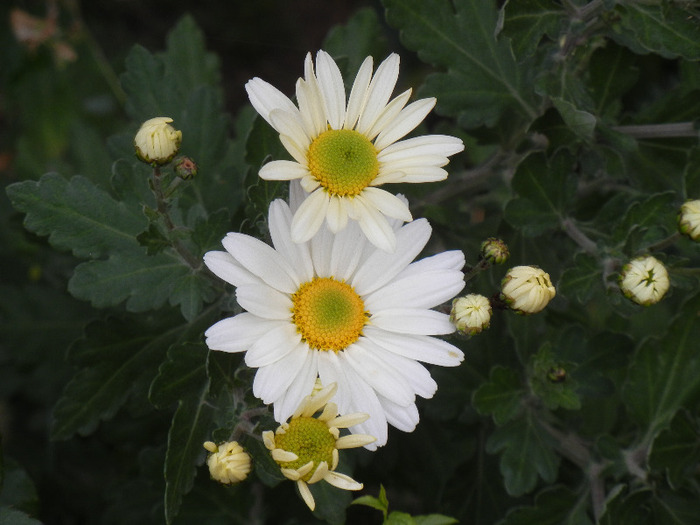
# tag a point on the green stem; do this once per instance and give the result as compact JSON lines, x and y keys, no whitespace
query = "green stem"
{"x":665,"y":243}
{"x":658,"y":131}
{"x":580,"y":238}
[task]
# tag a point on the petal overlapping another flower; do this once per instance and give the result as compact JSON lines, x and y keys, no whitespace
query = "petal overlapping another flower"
{"x":322,"y":105}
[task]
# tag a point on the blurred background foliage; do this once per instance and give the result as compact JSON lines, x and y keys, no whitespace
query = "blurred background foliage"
{"x":580,"y":125}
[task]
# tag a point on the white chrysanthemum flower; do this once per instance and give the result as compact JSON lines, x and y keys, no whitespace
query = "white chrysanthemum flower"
{"x":471,"y":314}
{"x":527,"y":289}
{"x":344,"y":149}
{"x":644,"y":280}
{"x":689,"y":219}
{"x":306,"y":447}
{"x":338,"y":308}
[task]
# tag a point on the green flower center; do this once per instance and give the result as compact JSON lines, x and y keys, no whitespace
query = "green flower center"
{"x":343,"y":161}
{"x":310,"y":440}
{"x":329,"y":314}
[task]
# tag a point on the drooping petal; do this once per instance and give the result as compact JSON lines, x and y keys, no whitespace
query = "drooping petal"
{"x":420,"y":290}
{"x":266,"y":98}
{"x":272,"y":345}
{"x":224,"y":266}
{"x":419,"y":347}
{"x":403,"y":418}
{"x":238,"y":333}
{"x":388,"y":204}
{"x":283,"y":170}
{"x":271,"y":381}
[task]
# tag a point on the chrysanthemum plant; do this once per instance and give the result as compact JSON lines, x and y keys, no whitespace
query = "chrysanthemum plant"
{"x":280,"y":246}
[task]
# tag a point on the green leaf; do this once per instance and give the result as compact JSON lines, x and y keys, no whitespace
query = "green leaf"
{"x":380,"y":503}
{"x":653,"y":218}
{"x":116,"y":356}
{"x":613,"y":73}
{"x":665,"y":372}
{"x":627,"y":509}
{"x":10,"y":516}
{"x":553,"y":506}
{"x":672,"y":31}
{"x":581,"y":280}
{"x":144,"y":282}
{"x":77,"y":215}
{"x":143,"y":83}
{"x":526,"y":22}
{"x":434,"y":519}
{"x":483,"y":78}
{"x":527,"y":451}
{"x":582,"y":123}
{"x":331,"y":502}
{"x":545,"y":191}
{"x":692,"y":175}
{"x":399,"y":518}
{"x":17,"y":489}
{"x":501,"y":396}
{"x":190,"y":292}
{"x":676,"y":451}
{"x":192,"y":423}
{"x":551,"y":382}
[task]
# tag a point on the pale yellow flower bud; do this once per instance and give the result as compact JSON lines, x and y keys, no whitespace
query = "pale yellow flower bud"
{"x":527,"y":289}
{"x":157,"y":142}
{"x":471,"y":314}
{"x":228,"y":462}
{"x":644,"y":280}
{"x":689,"y":219}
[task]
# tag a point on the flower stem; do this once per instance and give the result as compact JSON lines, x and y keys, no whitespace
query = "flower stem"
{"x":580,"y":238}
{"x":656,"y":131}
{"x":665,"y":243}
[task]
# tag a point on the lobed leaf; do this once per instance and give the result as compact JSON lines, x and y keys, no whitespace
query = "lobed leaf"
{"x":527,"y":22}
{"x":501,"y":396}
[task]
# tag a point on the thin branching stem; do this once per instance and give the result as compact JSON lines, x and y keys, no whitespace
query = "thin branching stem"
{"x":659,"y":131}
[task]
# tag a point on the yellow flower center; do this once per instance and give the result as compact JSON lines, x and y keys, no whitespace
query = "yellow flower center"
{"x":310,"y":440}
{"x":329,"y":314}
{"x":343,"y":161}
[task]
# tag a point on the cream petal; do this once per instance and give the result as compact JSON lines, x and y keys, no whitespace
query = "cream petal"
{"x":449,"y":260}
{"x":265,"y":302}
{"x":375,"y":226}
{"x":403,"y":418}
{"x":379,"y":92}
{"x":294,"y":149}
{"x":238,"y":333}
{"x":311,"y":108}
{"x":348,"y":420}
{"x":405,"y":122}
{"x":390,"y":113}
{"x":273,"y":345}
{"x":320,"y":473}
{"x":387,"y":203}
{"x":271,"y":381}
{"x":337,"y":215}
{"x":417,"y":174}
{"x":262,"y":260}
{"x":266,"y":98}
{"x":330,"y":82}
{"x":425,"y":289}
{"x":380,"y":267}
{"x":420,"y":347}
{"x":412,"y":162}
{"x":321,"y":247}
{"x":306,"y":494}
{"x":414,"y":373}
{"x":292,"y":126}
{"x":347,"y":251}
{"x":430,"y":145}
{"x":283,"y":170}
{"x":297,"y":254}
{"x":358,"y":93}
{"x":354,"y":441}
{"x":296,"y":195}
{"x":342,"y":481}
{"x":301,"y":387}
{"x":225,"y":266}
{"x":413,"y":321}
{"x":310,"y":216}
{"x":283,"y":455}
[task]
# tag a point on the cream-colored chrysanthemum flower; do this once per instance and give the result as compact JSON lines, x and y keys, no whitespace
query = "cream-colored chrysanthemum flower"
{"x":689,"y":219}
{"x":157,"y":142}
{"x":527,"y":289}
{"x":306,"y":447}
{"x":644,"y":280}
{"x":228,"y":462}
{"x":344,"y":149}
{"x":338,"y":308}
{"x":471,"y":314}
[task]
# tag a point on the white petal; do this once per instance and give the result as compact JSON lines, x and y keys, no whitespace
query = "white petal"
{"x":390,"y":113}
{"x":337,"y":215}
{"x":297,"y":254}
{"x":224,"y":266}
{"x":387,"y":203}
{"x":432,"y":145}
{"x":271,"y":381}
{"x":262,"y":260}
{"x":282,"y":170}
{"x":309,"y":183}
{"x":449,"y":260}
{"x":321,"y":247}
{"x":266,"y":98}
{"x":292,"y":126}
{"x":330,"y":81}
{"x":414,"y":373}
{"x":311,"y":108}
{"x":263,"y":301}
{"x":310,"y":215}
{"x":381,"y":376}
{"x":358,"y":93}
{"x":381,"y":267}
{"x":236,"y":334}
{"x":379,"y":91}
{"x":296,"y":195}
{"x":411,"y":175}
{"x":422,"y":348}
{"x":306,"y":494}
{"x":346,"y":254}
{"x":405,"y":122}
{"x":421,"y":290}
{"x":273,"y":345}
{"x":413,"y":321}
{"x":403,"y":418}
{"x":297,"y":152}
{"x":301,"y":387}
{"x":375,"y":225}
{"x":342,"y":481}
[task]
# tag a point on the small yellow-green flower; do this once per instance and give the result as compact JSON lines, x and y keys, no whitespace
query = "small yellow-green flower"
{"x":471,"y":314}
{"x":527,"y":289}
{"x":157,"y":142}
{"x":228,"y":462}
{"x":689,"y":220}
{"x":306,"y":447}
{"x":644,"y":280}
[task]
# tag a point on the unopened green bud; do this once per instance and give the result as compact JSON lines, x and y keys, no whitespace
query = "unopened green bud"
{"x":494,"y":250}
{"x":185,"y":168}
{"x":556,"y":374}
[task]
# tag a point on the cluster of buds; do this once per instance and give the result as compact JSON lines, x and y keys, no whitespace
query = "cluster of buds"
{"x":644,"y":280}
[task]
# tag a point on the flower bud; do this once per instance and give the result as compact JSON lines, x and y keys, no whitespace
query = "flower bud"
{"x":157,"y":142}
{"x":185,"y":168}
{"x":644,"y":280}
{"x":471,"y":314}
{"x":494,"y":250}
{"x":689,"y":220}
{"x":228,"y":463}
{"x":527,"y":289}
